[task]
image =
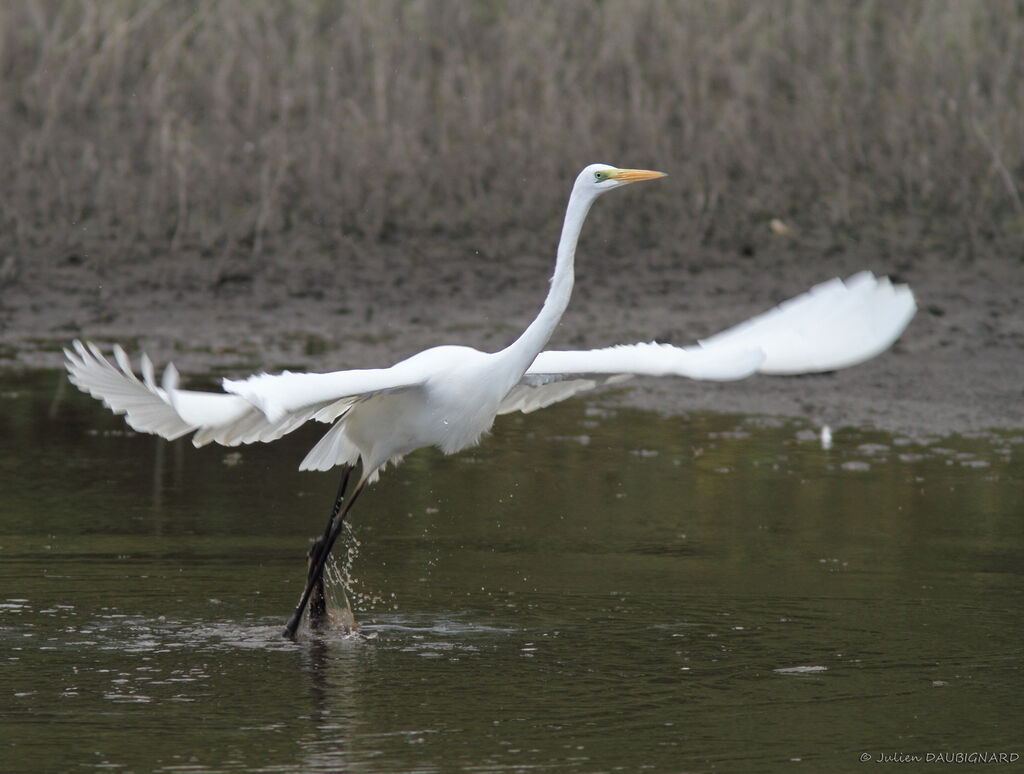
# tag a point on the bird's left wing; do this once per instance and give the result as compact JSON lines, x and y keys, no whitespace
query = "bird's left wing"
{"x":556,"y":375}
{"x":163,"y":410}
{"x":260,"y":408}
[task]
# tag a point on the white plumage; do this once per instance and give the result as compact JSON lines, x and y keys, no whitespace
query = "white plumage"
{"x":449,"y":396}
{"x":834,"y":325}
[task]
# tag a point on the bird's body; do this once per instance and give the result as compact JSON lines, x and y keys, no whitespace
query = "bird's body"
{"x":449,"y":396}
{"x":453,"y":406}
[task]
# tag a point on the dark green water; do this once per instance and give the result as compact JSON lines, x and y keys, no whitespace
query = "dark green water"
{"x":591,"y":590}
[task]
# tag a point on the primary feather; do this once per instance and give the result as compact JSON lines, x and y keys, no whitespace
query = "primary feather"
{"x":833,"y":325}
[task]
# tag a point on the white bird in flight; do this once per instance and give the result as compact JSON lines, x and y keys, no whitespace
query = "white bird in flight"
{"x":449,"y":396}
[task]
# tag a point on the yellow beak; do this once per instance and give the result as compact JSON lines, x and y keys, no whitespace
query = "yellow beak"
{"x":635,"y":175}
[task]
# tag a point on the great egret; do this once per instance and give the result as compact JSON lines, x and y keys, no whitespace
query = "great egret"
{"x":449,"y":396}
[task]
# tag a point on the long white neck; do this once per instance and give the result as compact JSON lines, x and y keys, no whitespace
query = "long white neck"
{"x":522,"y":352}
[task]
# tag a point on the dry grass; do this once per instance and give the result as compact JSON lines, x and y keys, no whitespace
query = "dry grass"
{"x":244,"y":127}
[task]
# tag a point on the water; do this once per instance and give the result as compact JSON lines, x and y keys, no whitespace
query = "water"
{"x":591,"y":590}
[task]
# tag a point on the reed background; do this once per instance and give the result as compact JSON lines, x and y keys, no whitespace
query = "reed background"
{"x":264,"y":129}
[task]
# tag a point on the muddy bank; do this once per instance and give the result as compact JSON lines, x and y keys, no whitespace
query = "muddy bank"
{"x":958,"y":368}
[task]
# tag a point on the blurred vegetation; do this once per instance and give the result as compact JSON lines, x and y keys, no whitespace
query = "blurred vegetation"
{"x":241,"y":127}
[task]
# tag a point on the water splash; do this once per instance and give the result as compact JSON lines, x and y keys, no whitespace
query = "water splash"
{"x":341,"y":586}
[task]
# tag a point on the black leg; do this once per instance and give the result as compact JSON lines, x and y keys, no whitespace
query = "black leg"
{"x":318,"y":598}
{"x":314,"y":552}
{"x":321,"y":550}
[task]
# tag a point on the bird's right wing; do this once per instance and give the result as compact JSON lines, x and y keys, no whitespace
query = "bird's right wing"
{"x":556,"y":375}
{"x":833,"y":325}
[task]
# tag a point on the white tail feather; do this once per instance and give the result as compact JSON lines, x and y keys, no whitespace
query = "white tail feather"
{"x":333,"y":449}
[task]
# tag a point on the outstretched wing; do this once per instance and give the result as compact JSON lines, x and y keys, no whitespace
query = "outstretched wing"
{"x":833,"y":325}
{"x":556,"y":375}
{"x":147,"y":407}
{"x":261,"y":408}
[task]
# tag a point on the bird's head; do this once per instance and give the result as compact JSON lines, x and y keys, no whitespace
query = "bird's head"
{"x":598,"y":178}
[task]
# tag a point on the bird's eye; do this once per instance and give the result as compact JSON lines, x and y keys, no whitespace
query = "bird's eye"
{"x":600,"y":175}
